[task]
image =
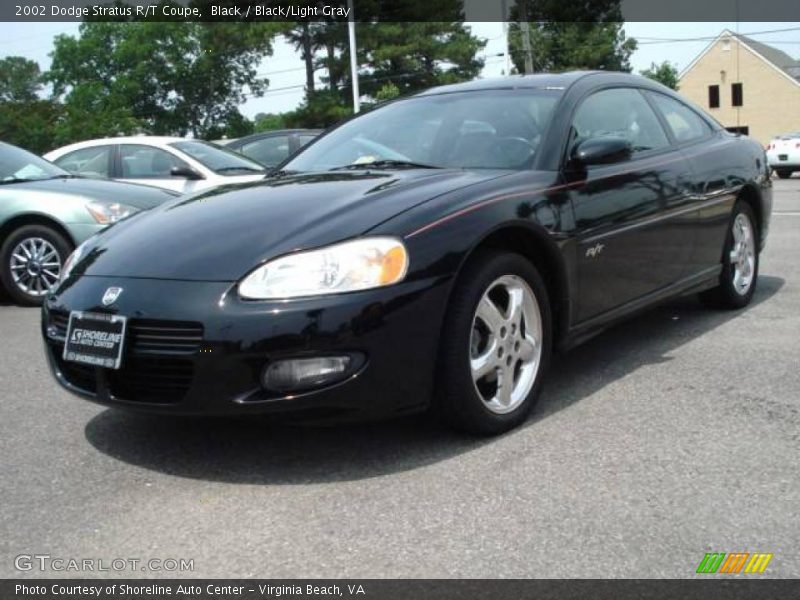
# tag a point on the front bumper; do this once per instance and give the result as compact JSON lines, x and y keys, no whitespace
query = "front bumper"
{"x":195,"y":348}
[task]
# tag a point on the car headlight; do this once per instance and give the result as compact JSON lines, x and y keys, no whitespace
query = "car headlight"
{"x":72,"y":260}
{"x":359,"y":264}
{"x":110,"y":212}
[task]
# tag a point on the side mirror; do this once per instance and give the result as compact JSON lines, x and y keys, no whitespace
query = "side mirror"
{"x":187,"y":172}
{"x":601,"y":151}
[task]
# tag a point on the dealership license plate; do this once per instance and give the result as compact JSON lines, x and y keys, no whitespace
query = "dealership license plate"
{"x":95,"y":339}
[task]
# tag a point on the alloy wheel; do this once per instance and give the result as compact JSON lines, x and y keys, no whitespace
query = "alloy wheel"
{"x":505,"y":344}
{"x":35,"y":266}
{"x":743,"y":254}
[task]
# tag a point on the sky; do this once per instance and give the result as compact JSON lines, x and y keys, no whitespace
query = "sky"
{"x":284,"y":69}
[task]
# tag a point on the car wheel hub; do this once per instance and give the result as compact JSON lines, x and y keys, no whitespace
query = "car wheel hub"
{"x":505,"y":344}
{"x":35,"y":266}
{"x":743,"y":254}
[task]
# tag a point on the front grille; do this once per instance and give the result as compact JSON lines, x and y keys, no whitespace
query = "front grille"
{"x":149,"y":336}
{"x":145,"y":336}
{"x":83,"y":377}
{"x":155,"y":367}
{"x":156,"y":380}
{"x":58,"y":325}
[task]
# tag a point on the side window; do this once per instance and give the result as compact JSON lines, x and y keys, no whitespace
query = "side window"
{"x":685,"y":124}
{"x":619,"y":112}
{"x":268,"y":151}
{"x":145,"y":162}
{"x":89,"y":162}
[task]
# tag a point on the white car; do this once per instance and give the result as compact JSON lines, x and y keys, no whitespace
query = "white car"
{"x":783,"y":154}
{"x":179,"y":164}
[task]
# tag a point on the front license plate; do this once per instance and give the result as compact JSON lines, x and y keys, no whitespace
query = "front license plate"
{"x":95,"y":339}
{"x":783,"y":157}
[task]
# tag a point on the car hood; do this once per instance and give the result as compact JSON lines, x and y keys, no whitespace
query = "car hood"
{"x":140,"y":196}
{"x":221,"y":234}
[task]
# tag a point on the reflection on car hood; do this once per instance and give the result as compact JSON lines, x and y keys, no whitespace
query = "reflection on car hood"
{"x":221,"y":234}
{"x":140,"y":196}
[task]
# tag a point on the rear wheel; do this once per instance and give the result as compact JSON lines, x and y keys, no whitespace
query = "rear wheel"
{"x":783,"y":173}
{"x":31,"y":259}
{"x":737,"y":282}
{"x":496,"y":345}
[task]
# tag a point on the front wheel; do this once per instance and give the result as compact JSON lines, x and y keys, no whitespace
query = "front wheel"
{"x":496,"y":345}
{"x":31,"y":259}
{"x":783,"y":173}
{"x":737,"y":282}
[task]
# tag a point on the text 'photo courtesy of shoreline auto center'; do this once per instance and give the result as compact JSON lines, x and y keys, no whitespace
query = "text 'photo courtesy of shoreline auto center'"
{"x":370,"y":298}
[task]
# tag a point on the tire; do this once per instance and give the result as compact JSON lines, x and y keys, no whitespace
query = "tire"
{"x":480,"y":406}
{"x":732,"y":293}
{"x":51,"y":250}
{"x":783,"y":174}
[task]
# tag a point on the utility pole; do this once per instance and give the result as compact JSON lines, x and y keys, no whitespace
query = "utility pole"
{"x":351,"y":34}
{"x":526,"y":37}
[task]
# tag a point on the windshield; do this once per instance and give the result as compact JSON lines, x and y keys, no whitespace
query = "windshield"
{"x":219,"y":160}
{"x":492,"y":129}
{"x":17,"y":164}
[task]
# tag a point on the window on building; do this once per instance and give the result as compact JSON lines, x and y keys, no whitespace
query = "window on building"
{"x":713,"y":96}
{"x":737,"y":94}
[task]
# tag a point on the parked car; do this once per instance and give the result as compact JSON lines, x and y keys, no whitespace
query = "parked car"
{"x":45,"y":212}
{"x":172,"y":163}
{"x":270,"y":148}
{"x":428,"y":253}
{"x":783,"y":154}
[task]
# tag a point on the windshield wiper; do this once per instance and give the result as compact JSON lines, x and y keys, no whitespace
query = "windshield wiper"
{"x":282,"y":173}
{"x":386,"y":164}
{"x":221,"y":169}
{"x":67,"y":176}
{"x":16,"y":180}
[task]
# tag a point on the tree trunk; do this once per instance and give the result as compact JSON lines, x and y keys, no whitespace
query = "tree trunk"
{"x":308,"y":57}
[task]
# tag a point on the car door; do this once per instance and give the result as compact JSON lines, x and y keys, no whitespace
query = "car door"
{"x":148,"y":165}
{"x":630,"y":214}
{"x":716,"y":177}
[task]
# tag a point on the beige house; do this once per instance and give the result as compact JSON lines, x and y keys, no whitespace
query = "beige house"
{"x":747,"y":86}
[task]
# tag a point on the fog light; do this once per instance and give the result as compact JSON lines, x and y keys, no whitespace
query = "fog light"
{"x":302,"y":373}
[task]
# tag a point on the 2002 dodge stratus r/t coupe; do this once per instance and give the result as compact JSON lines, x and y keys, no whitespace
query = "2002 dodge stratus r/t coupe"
{"x":429,"y":253}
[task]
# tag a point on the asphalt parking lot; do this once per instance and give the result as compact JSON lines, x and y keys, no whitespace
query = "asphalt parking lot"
{"x":672,"y":435}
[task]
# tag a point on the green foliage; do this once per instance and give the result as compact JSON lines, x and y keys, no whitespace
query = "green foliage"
{"x":269,"y":121}
{"x":20,"y":80}
{"x":320,"y":109}
{"x":666,"y":73}
{"x":394,"y":58}
{"x":416,"y":56}
{"x":30,"y":125}
{"x":586,"y":34}
{"x":387,"y":91}
{"x":164,"y":78}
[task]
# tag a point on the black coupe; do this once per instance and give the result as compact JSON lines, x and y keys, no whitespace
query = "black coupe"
{"x":430,"y":253}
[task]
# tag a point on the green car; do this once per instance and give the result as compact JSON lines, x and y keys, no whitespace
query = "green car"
{"x":45,"y":212}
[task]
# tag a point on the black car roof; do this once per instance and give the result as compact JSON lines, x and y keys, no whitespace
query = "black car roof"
{"x":537,"y":81}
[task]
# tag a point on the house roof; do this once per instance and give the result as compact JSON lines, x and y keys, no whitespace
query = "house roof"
{"x":777,"y":59}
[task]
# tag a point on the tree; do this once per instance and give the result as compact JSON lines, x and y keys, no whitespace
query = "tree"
{"x":167,"y":78}
{"x":666,"y":73}
{"x":30,"y":125}
{"x":584,"y":34}
{"x":20,"y":80}
{"x":394,"y":58}
{"x":418,"y":55}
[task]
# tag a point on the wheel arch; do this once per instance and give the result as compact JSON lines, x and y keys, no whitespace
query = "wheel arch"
{"x":22,"y":220}
{"x":751,"y":195}
{"x":537,"y":245}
